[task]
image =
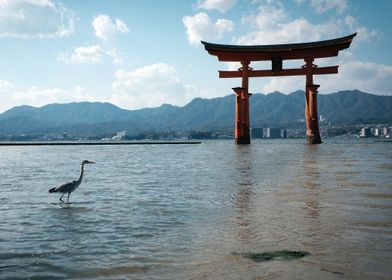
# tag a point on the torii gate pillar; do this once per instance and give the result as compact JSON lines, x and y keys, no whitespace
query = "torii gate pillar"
{"x":311,"y":115}
{"x":242,"y":124}
{"x":242,"y":130}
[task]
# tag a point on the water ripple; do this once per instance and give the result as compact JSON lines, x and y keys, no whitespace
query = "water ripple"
{"x":176,"y":212}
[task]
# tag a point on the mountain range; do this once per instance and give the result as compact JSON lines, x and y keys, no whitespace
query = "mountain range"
{"x":270,"y":110}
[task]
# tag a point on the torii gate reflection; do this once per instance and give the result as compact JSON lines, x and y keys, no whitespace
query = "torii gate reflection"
{"x":276,"y":54}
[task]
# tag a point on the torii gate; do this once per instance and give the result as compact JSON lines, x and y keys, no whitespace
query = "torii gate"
{"x":276,"y":54}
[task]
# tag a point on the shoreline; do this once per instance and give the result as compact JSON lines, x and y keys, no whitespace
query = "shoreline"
{"x":96,"y":143}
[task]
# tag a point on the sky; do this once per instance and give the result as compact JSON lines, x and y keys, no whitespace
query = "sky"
{"x":144,"y":53}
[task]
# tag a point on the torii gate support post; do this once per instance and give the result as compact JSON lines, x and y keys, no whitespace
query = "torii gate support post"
{"x":244,"y":137}
{"x":242,"y":131}
{"x":311,"y":115}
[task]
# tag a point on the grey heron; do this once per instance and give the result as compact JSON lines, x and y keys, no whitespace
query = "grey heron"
{"x":71,"y":186}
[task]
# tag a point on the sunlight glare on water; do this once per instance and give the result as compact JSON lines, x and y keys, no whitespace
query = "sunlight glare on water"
{"x":190,"y":211}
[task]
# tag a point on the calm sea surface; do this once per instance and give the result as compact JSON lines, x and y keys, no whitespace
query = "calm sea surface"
{"x":190,"y":211}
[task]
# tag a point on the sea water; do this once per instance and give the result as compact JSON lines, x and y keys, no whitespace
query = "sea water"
{"x":192,"y":211}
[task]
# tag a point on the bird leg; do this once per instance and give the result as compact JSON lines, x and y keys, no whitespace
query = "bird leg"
{"x":68,"y":196}
{"x":61,"y":197}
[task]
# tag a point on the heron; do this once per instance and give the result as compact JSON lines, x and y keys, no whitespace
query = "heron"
{"x":71,"y":186}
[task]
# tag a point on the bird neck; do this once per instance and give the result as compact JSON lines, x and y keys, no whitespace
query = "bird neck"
{"x":81,"y":173}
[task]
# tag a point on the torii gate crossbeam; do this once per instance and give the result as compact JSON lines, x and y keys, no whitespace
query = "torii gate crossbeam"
{"x":276,"y":54}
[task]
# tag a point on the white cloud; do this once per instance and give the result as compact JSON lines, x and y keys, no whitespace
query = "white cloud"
{"x":121,"y":26}
{"x":106,"y":29}
{"x":35,"y":19}
{"x":200,"y":27}
{"x":5,"y":86}
{"x":365,"y":76}
{"x":322,"y":6}
{"x":220,"y":5}
{"x":116,"y":57}
{"x":91,"y":54}
{"x":233,"y":66}
{"x":36,"y":96}
{"x":150,"y":86}
{"x":83,"y":54}
{"x":364,"y":34}
{"x":283,"y":84}
{"x":271,"y":25}
{"x":39,"y":96}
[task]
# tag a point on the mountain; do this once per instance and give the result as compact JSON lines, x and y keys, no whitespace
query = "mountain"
{"x":75,"y":113}
{"x":271,"y":110}
{"x":355,"y":107}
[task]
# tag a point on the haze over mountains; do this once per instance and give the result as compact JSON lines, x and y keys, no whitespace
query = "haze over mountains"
{"x":271,"y":110}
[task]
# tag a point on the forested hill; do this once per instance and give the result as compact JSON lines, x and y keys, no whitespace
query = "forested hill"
{"x":271,"y":110}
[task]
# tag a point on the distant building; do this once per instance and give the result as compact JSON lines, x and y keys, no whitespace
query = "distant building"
{"x":366,"y":132}
{"x":283,"y":133}
{"x":388,"y":131}
{"x":119,"y":136}
{"x":273,"y":133}
{"x":377,"y":132}
{"x":257,"y":132}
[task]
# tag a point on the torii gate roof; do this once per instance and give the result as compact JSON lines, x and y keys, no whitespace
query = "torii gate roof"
{"x":316,"y":49}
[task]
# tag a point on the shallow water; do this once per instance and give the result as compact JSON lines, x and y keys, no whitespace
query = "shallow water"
{"x":191,"y":211}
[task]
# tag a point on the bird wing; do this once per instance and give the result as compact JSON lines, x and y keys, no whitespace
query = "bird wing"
{"x":66,"y":187}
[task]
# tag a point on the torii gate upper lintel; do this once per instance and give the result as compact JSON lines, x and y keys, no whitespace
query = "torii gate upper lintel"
{"x":276,"y":54}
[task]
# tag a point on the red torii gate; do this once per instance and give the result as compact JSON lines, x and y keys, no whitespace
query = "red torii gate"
{"x":276,"y":54}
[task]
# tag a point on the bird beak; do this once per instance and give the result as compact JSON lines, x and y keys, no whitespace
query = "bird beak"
{"x":93,"y":162}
